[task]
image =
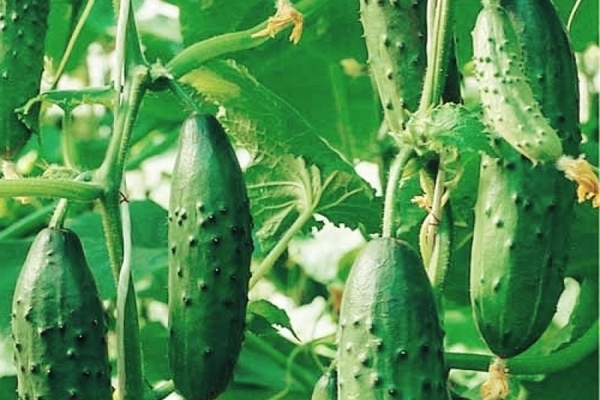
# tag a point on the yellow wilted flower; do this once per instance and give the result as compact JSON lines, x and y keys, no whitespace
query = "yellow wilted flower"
{"x":581,"y":171}
{"x":496,"y":386}
{"x":285,"y":14}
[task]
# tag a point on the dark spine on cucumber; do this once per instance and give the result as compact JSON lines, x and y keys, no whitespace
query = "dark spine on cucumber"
{"x":390,"y":343}
{"x":23,"y":25}
{"x":395,"y":34}
{"x":58,"y":323}
{"x":209,"y":260}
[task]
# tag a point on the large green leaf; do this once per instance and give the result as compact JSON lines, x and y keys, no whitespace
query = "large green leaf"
{"x":293,"y":170}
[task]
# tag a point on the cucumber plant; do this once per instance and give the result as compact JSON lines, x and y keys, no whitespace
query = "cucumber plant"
{"x":405,"y":323}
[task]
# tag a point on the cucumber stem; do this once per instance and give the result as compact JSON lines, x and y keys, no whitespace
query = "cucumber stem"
{"x":269,"y":261}
{"x":40,"y":187}
{"x":72,"y":40}
{"x":438,"y":38}
{"x":58,"y":218}
{"x":195,"y":55}
{"x":532,"y":365}
{"x":390,"y":191}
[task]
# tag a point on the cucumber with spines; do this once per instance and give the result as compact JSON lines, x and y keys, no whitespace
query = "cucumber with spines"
{"x":209,"y":233}
{"x":390,"y":342}
{"x":522,"y":215}
{"x":23,"y":25}
{"x":58,"y":323}
{"x":395,"y":34}
{"x":509,"y":105}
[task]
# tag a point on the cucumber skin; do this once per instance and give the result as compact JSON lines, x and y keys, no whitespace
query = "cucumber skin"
{"x":509,"y":106}
{"x":390,"y":343}
{"x":515,"y":288}
{"x":209,"y":260}
{"x":58,"y":323}
{"x":395,"y":34}
{"x":326,"y":386}
{"x":23,"y":25}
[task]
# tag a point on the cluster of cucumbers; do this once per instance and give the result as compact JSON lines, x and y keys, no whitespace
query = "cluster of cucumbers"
{"x":389,"y":341}
{"x":390,"y":337}
{"x":58,"y":323}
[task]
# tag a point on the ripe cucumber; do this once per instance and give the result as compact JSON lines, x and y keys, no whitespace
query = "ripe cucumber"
{"x":23,"y":25}
{"x":395,"y":34}
{"x":549,"y":65}
{"x":326,"y":386}
{"x":390,"y":343}
{"x":210,"y":241}
{"x":509,"y":105}
{"x":58,"y":323}
{"x":522,"y":216}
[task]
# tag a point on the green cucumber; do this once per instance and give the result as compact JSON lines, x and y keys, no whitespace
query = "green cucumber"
{"x":390,"y":343}
{"x":549,"y":65}
{"x":210,"y":241}
{"x":23,"y":25}
{"x":509,"y":105}
{"x":522,"y":215}
{"x":326,"y":386}
{"x":395,"y":34}
{"x":58,"y":323}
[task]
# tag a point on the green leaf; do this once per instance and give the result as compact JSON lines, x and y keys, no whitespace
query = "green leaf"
{"x":451,"y":125}
{"x":293,"y":170}
{"x":261,"y":312}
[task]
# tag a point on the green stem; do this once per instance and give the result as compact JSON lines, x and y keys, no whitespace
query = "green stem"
{"x":267,"y":350}
{"x":390,"y":191}
{"x":533,"y":365}
{"x":27,"y":224}
{"x":67,"y":143}
{"x":58,"y":218}
{"x":193,"y":56}
{"x":111,"y":170}
{"x":438,"y":38}
{"x":72,"y":40}
{"x":40,"y":187}
{"x":269,"y":261}
{"x":182,"y":95}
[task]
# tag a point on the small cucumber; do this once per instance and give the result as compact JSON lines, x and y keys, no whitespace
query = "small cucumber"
{"x":509,"y":105}
{"x":58,"y":323}
{"x":23,"y":25}
{"x":395,"y":34}
{"x":326,"y":386}
{"x":210,"y":241}
{"x":390,"y":343}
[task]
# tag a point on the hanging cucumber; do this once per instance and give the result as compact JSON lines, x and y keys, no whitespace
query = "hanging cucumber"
{"x":509,"y":106}
{"x":523,"y":211}
{"x":395,"y":33}
{"x":23,"y":25}
{"x":390,"y":343}
{"x":58,"y":323}
{"x":209,"y":260}
{"x":549,"y":65}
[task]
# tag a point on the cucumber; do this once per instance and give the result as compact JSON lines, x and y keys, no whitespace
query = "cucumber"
{"x":395,"y":34}
{"x":326,"y":386}
{"x":549,"y":65}
{"x":509,"y":106}
{"x":522,"y":215}
{"x":23,"y":25}
{"x":209,"y":233}
{"x":58,"y":323}
{"x":390,"y":343}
